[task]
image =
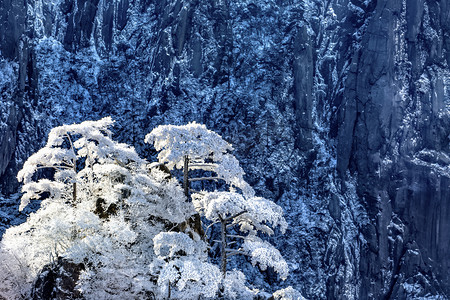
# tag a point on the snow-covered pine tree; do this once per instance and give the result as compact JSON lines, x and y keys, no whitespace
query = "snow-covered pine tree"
{"x":194,"y":147}
{"x":107,"y":228}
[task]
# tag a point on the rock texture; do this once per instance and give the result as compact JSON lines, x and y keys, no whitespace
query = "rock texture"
{"x":338,"y":110}
{"x":395,"y":107}
{"x":58,"y":281}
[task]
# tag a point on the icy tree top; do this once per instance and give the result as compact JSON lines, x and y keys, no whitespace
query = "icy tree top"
{"x":90,"y":138}
{"x":205,"y":149}
{"x":67,"y":146}
{"x":192,"y":140}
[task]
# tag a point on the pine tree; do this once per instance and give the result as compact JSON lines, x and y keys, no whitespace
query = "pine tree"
{"x":194,"y":147}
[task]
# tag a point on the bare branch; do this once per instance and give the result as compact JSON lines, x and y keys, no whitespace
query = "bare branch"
{"x":199,"y":165}
{"x":237,"y":252}
{"x":55,"y":167}
{"x":207,"y":228}
{"x":232,"y":250}
{"x":236,"y":236}
{"x":204,"y":178}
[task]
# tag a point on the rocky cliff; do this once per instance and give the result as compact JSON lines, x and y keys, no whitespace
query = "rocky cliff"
{"x":339,"y":111}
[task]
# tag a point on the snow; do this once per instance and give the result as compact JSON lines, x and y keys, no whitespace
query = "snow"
{"x":288,"y":293}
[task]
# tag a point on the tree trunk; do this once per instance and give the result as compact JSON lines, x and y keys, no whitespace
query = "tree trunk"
{"x":74,"y":193}
{"x":223,"y":229}
{"x":185,"y":176}
{"x":195,"y":221}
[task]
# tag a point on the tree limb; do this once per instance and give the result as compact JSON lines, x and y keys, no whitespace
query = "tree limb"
{"x":206,"y":165}
{"x":204,"y":178}
{"x":236,"y":236}
{"x":55,"y":167}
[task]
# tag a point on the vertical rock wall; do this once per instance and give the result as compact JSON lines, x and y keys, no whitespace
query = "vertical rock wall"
{"x":395,"y":107}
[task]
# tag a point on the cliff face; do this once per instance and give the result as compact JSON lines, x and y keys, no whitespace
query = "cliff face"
{"x":338,"y":110}
{"x":395,"y":107}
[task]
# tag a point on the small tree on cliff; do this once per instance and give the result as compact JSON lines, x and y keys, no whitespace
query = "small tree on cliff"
{"x":194,"y":147}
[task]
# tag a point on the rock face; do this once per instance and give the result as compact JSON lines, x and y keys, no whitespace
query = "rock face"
{"x":339,"y":111}
{"x":57,"y":281}
{"x":395,"y":107}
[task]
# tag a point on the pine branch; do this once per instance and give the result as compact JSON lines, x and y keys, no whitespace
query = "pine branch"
{"x":237,"y":252}
{"x":204,"y":178}
{"x":55,"y":167}
{"x":236,"y":236}
{"x":199,"y":165}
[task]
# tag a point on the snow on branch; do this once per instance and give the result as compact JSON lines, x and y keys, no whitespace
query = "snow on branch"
{"x":251,"y":214}
{"x":89,"y":129}
{"x":172,"y":244}
{"x":46,"y":158}
{"x":194,"y":147}
{"x":191,"y":277}
{"x":33,"y":190}
{"x":265,"y":255}
{"x":288,"y":293}
{"x":264,"y":211}
{"x":69,"y":150}
{"x":215,"y":204}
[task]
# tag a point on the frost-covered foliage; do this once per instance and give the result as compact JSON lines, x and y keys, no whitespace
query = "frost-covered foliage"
{"x":60,"y":154}
{"x":120,"y":205}
{"x":258,"y":211}
{"x":288,"y":293}
{"x":248,"y":216}
{"x":13,"y":275}
{"x":184,"y":272}
{"x":265,"y":255}
{"x":193,"y":140}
